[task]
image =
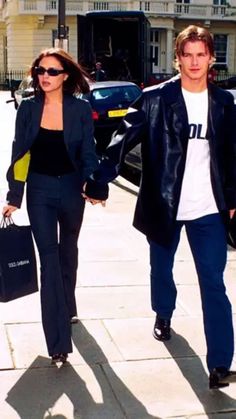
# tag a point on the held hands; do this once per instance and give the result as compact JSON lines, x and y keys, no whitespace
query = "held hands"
{"x":8,"y":210}
{"x":92,"y":200}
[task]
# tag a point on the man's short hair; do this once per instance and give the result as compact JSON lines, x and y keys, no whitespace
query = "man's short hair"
{"x":193,"y":34}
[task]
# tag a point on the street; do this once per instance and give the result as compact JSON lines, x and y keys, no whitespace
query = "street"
{"x":117,"y":369}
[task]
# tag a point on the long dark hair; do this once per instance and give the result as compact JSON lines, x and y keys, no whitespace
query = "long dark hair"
{"x":78,"y":78}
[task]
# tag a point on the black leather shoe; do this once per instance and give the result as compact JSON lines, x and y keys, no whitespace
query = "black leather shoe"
{"x":221,"y":377}
{"x":61,"y":357}
{"x":161,"y":330}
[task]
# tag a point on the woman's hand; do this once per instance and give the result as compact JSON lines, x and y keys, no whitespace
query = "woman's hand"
{"x":94,"y":201}
{"x":8,"y":210}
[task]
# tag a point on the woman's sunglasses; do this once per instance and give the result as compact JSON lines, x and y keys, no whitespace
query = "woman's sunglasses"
{"x":40,"y":71}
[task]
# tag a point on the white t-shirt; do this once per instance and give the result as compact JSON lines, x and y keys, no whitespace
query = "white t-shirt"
{"x":196,"y":198}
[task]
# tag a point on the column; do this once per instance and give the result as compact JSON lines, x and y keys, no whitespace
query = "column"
{"x":169,"y":51}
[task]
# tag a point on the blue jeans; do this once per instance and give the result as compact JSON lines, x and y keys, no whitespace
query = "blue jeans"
{"x":207,"y":239}
{"x":55,"y":207}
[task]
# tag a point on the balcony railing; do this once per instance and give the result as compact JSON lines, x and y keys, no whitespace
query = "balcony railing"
{"x":158,"y":7}
{"x":72,"y":6}
{"x":204,"y":11}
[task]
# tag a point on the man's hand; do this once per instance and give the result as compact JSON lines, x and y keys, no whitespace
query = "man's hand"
{"x":8,"y":210}
{"x":92,"y":200}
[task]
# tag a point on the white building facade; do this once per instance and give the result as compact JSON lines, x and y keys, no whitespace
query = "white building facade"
{"x":28,"y":26}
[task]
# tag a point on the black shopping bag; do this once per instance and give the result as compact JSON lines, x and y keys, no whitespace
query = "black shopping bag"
{"x":18,"y":270}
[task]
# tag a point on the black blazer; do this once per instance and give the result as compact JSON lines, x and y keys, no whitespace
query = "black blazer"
{"x":78,"y":136}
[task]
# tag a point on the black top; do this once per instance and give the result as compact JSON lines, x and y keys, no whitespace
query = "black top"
{"x":49,"y":155}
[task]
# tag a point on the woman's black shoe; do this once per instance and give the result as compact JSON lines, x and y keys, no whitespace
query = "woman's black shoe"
{"x":161,"y":330}
{"x":61,"y":357}
{"x":74,"y":320}
{"x":221,"y":377}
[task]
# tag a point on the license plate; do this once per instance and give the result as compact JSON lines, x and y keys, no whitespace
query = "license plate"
{"x":117,"y":112}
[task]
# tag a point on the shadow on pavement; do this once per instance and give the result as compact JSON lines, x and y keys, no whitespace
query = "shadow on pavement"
{"x":92,"y":354}
{"x":37,"y":391}
{"x":213,"y":401}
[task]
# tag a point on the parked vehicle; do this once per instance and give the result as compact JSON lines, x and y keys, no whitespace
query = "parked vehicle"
{"x":13,"y":86}
{"x":110,"y":101}
{"x":22,"y":91}
{"x":229,"y":83}
{"x":132,"y":167}
{"x":119,"y":40}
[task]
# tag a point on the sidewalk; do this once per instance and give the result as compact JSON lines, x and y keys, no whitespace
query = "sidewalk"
{"x":117,"y":370}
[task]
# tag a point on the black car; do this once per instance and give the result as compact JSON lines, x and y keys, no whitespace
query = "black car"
{"x":132,"y":166}
{"x":110,"y":101}
{"x":229,"y":83}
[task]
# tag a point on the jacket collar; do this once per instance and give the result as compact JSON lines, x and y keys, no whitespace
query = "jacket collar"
{"x":172,"y":91}
{"x":216,"y":98}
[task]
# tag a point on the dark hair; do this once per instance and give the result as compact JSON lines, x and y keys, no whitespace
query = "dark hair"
{"x":193,"y":34}
{"x":78,"y":79}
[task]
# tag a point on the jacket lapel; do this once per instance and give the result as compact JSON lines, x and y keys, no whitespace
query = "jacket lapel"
{"x":177,"y":103}
{"x":214,"y":112}
{"x":36,"y":116}
{"x":68,"y":117}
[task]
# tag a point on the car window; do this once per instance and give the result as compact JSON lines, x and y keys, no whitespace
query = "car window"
{"x":25,"y":83}
{"x":114,"y":96}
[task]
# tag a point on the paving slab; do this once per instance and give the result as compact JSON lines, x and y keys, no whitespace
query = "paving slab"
{"x":95,"y":249}
{"x":134,"y":338}
{"x":22,"y":310}
{"x":113,"y":302}
{"x":92,"y":344}
{"x":169,"y":388}
{"x":115,"y":273}
{"x":6,"y":361}
{"x":67,"y":393}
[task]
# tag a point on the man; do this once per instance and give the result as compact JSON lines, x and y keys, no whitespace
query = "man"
{"x":99,"y":74}
{"x":187,"y":129}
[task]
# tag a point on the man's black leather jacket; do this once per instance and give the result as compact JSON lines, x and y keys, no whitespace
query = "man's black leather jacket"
{"x":158,"y":119}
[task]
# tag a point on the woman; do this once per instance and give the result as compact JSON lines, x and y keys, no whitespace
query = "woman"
{"x":54,"y":152}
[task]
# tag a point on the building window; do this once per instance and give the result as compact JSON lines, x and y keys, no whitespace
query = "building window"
{"x":155,"y":50}
{"x":219,"y":7}
{"x":182,"y":6}
{"x":103,"y":5}
{"x":144,"y":5}
{"x":219,"y":2}
{"x":154,"y":36}
{"x":220,"y":44}
{"x":51,"y":5}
